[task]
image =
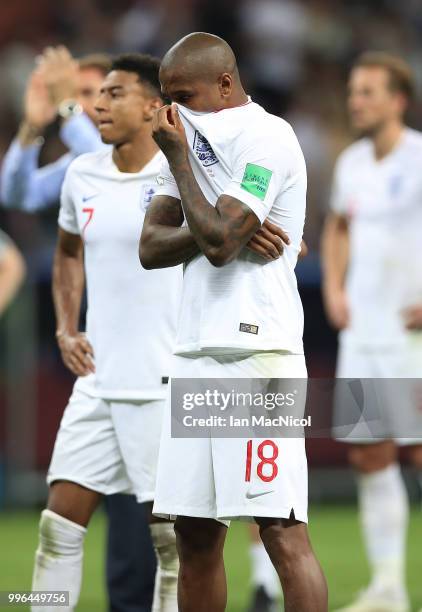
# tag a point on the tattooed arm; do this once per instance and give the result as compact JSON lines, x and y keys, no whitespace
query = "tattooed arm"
{"x":221,"y":231}
{"x":164,"y":243}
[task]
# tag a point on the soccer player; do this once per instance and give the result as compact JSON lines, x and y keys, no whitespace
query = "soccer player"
{"x":373,"y":294}
{"x":12,"y":271}
{"x":109,"y":435}
{"x":60,"y":87}
{"x":230,"y":165}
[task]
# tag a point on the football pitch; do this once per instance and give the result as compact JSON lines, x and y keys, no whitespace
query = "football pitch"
{"x":335,"y":535}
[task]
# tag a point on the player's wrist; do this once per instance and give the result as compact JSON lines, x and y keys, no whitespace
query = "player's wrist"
{"x":30,"y":133}
{"x":68,"y":108}
{"x":62,"y":334}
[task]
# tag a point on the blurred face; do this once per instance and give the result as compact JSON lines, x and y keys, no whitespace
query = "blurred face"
{"x":124,"y":107}
{"x":90,"y":81}
{"x":195,"y":94}
{"x":372,"y":103}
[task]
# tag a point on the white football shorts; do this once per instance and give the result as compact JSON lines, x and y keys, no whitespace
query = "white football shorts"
{"x":108,"y":446}
{"x":399,"y":402}
{"x":233,"y":478}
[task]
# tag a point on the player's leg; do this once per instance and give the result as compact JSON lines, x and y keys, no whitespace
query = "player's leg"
{"x":138,"y":429}
{"x":86,"y":464}
{"x":131,"y":564}
{"x":287,"y":543}
{"x":202,"y":579}
{"x":58,"y":559}
{"x":264,"y":578}
{"x":383,"y":506}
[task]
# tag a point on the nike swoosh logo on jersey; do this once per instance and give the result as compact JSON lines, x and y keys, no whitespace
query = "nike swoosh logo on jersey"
{"x":253,"y":495}
{"x":86,"y":198}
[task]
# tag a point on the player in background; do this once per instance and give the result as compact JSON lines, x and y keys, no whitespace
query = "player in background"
{"x":109,"y":434}
{"x":60,"y":87}
{"x":373,"y":294}
{"x":230,"y":165}
{"x":12,"y":271}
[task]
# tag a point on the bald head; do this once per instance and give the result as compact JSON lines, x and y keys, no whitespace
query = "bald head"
{"x":200,"y":55}
{"x":206,"y":62}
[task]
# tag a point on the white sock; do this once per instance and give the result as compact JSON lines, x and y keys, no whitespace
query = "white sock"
{"x":384,"y":510}
{"x":263,"y":571}
{"x":165,"y":591}
{"x":58,"y":559}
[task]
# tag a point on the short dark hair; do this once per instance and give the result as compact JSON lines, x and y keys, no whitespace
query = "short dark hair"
{"x":145,"y":66}
{"x":400,"y":73}
{"x":99,"y":61}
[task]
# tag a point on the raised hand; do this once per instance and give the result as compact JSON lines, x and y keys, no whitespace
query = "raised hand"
{"x":38,"y":109}
{"x":169,"y":133}
{"x":61,"y":73}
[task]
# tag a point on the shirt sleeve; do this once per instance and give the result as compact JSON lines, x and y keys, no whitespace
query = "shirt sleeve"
{"x":26,"y":187}
{"x":260,"y":171}
{"x":67,"y":214}
{"x":338,"y":197}
{"x":166,"y":182}
{"x":19,"y":163}
{"x":80,"y":135}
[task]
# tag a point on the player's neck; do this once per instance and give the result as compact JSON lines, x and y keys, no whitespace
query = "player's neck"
{"x":133,"y":156}
{"x":387,"y":138}
{"x":238,"y":98}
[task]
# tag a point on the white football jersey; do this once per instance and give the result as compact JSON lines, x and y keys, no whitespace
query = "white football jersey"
{"x":383,"y":202}
{"x":250,"y":304}
{"x":132,"y":312}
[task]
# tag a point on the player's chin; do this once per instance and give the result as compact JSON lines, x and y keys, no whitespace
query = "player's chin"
{"x":107,"y":133}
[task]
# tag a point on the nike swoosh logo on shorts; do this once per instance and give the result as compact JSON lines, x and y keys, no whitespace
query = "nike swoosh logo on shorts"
{"x":253,"y":495}
{"x":86,"y":198}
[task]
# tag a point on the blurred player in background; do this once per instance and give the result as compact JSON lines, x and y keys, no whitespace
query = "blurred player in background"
{"x":12,"y":271}
{"x":230,"y":166}
{"x":60,"y":87}
{"x":373,"y":293}
{"x":109,"y":435}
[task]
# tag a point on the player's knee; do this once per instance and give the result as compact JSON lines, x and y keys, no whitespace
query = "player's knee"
{"x":285,"y":545}
{"x":59,"y":537}
{"x":368,"y":458}
{"x":199,"y":537}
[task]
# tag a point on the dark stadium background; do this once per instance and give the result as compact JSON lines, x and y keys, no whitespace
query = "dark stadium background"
{"x":294,"y":56}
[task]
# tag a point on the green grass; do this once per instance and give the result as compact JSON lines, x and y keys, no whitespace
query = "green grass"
{"x":334,"y":531}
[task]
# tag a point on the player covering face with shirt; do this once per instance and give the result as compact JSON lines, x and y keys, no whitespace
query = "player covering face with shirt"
{"x":230,"y":166}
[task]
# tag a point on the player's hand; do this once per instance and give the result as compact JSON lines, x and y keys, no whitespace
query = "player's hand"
{"x":38,"y":109}
{"x":269,"y":241}
{"x":413,"y":317}
{"x":169,"y":133}
{"x":337,"y":308}
{"x":61,"y":74}
{"x":77,"y":353}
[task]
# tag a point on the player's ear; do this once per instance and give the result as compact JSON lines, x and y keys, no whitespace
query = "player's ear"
{"x":225,"y":84}
{"x":152,"y":105}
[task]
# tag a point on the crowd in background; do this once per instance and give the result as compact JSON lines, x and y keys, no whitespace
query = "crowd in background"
{"x":294,"y":56}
